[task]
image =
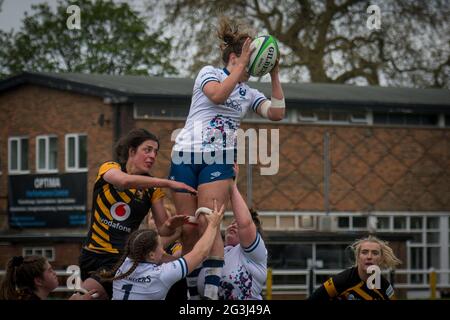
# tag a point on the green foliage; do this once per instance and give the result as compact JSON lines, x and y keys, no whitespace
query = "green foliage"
{"x":113,"y":39}
{"x":326,"y":41}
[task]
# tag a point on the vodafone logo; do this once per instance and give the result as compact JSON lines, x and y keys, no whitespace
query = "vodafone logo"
{"x":120,"y":211}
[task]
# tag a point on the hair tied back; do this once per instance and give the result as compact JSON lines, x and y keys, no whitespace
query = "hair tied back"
{"x":17,"y":261}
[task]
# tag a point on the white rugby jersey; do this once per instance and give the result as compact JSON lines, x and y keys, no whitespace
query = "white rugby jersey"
{"x":149,"y":281}
{"x":212,"y":127}
{"x":244,"y":272}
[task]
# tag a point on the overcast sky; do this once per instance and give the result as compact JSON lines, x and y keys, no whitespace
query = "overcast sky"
{"x":13,"y":12}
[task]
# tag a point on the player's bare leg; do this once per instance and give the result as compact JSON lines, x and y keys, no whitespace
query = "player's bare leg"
{"x":186,"y":204}
{"x":218,"y":191}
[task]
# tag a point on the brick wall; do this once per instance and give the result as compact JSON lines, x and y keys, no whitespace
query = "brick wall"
{"x":33,"y":110}
{"x":65,"y":253}
{"x":377,"y":168}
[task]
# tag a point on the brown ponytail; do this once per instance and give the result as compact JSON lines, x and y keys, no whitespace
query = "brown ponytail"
{"x":18,"y":283}
{"x":139,"y":245}
{"x":232,"y":36}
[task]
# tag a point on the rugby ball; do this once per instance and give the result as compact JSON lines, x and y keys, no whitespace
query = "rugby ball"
{"x":264,"y":56}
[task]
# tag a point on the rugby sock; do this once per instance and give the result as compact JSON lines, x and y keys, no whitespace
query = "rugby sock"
{"x":191,"y":280}
{"x":213,"y":272}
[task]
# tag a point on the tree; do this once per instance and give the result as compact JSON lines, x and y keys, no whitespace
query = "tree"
{"x":113,"y":39}
{"x":329,"y":40}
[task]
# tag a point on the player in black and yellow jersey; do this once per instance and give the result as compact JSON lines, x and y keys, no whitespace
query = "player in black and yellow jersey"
{"x":123,"y":194}
{"x":351,"y":284}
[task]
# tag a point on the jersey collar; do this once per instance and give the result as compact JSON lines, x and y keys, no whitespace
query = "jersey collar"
{"x":226,"y":71}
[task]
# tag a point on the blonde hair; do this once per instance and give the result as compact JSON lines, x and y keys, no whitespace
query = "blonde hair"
{"x":388,"y":258}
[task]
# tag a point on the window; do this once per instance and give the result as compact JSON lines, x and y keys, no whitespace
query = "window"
{"x":359,"y":222}
{"x":334,"y":256}
{"x":76,"y":152}
{"x":47,"y":252}
{"x":416,"y":256}
{"x":305,"y":115}
{"x":289,"y":256}
{"x":343,"y":222}
{"x":408,"y":119}
{"x":399,"y":223}
{"x":18,"y":155}
{"x":167,"y":109}
{"x":46,"y":154}
{"x":416,"y":223}
{"x":383,"y":223}
{"x":332,"y":116}
{"x":359,"y":117}
{"x":424,"y":248}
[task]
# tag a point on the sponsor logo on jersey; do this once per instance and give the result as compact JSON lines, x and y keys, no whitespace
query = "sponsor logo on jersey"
{"x":215,"y":174}
{"x":146,"y":279}
{"x":233,"y":104}
{"x":115,"y":225}
{"x":120,"y":211}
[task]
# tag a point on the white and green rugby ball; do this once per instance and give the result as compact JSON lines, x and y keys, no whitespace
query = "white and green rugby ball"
{"x":264,"y":56}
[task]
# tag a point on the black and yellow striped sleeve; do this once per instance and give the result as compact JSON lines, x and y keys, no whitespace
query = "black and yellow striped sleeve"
{"x":157,"y":194}
{"x":105,"y":167}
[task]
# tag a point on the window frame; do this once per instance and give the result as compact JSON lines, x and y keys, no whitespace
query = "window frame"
{"x":46,"y":138}
{"x":76,"y":168}
{"x":19,"y":170}
{"x":42,"y":249}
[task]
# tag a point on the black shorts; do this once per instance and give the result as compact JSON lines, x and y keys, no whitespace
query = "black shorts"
{"x":94,"y":262}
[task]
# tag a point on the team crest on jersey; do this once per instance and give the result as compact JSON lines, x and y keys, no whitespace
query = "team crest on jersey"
{"x":120,"y":211}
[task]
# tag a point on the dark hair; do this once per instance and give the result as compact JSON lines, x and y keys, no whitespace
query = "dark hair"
{"x":18,"y":283}
{"x":257,"y":221}
{"x":139,"y":244}
{"x":232,"y":37}
{"x":132,"y":140}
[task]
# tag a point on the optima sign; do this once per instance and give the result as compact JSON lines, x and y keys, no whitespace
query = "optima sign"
{"x":50,"y":201}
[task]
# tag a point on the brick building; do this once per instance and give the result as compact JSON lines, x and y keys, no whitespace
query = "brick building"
{"x":352,"y":160}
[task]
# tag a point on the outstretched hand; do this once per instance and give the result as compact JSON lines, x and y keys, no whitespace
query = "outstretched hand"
{"x":180,"y":186}
{"x":276,"y":68}
{"x":246,"y":52}
{"x":176,"y":221}
{"x":216,"y":216}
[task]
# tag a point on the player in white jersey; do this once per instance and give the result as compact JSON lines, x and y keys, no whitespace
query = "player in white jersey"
{"x":142,"y":273}
{"x":245,"y":271}
{"x":204,"y":152}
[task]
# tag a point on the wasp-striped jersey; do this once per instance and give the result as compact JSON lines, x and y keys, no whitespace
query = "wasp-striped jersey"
{"x":116,"y":213}
{"x":347,"y":285}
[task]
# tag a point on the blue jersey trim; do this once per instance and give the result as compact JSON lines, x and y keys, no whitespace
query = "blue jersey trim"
{"x":257,"y":103}
{"x":204,"y":82}
{"x":226,"y":71}
{"x":254,"y":245}
{"x":183,"y":267}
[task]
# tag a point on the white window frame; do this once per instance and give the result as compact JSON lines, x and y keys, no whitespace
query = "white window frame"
{"x":34,"y":251}
{"x":77,"y":152}
{"x":47,"y":154}
{"x":354,"y":119}
{"x":19,"y":154}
